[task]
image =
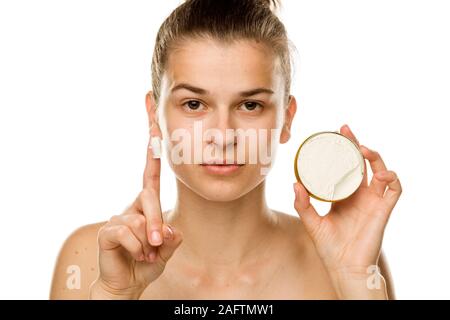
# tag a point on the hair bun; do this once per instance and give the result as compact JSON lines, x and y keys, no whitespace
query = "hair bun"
{"x":272,"y":4}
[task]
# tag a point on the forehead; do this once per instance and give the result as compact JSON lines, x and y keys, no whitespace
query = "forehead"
{"x":229,"y":66}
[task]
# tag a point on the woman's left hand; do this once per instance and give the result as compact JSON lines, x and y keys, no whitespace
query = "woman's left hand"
{"x":348,"y":238}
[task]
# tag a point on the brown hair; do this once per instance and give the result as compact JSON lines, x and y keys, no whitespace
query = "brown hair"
{"x":224,"y":20}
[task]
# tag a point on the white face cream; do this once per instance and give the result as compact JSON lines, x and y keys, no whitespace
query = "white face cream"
{"x":330,"y":166}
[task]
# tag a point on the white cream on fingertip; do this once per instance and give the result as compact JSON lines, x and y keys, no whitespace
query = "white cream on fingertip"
{"x":155,"y":145}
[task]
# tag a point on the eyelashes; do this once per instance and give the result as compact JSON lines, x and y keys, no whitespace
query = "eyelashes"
{"x":253,"y":106}
{"x":195,"y":106}
{"x":192,"y":105}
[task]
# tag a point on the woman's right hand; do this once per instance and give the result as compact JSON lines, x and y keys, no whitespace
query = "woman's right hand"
{"x":135,"y":246}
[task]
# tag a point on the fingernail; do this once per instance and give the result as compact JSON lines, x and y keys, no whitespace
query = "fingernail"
{"x":155,"y":145}
{"x":295,"y":189}
{"x":168,"y":232}
{"x":156,"y":237}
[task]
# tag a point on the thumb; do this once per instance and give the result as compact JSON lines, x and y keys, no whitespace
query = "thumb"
{"x":172,"y":239}
{"x":309,"y":216}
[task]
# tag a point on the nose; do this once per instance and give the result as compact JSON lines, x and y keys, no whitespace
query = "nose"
{"x":221,"y":129}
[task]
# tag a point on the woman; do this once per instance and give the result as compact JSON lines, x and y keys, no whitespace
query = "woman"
{"x":226,"y":65}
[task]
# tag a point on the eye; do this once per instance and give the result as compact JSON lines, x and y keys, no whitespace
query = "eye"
{"x":251,"y":106}
{"x":192,"y":105}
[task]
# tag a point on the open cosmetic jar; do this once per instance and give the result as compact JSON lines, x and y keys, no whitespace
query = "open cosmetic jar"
{"x":329,"y":165}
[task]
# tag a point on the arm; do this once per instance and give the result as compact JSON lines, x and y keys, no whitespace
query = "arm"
{"x":384,"y":269}
{"x":363,"y":283}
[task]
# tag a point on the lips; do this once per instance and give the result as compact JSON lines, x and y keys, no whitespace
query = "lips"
{"x":221,"y":168}
{"x":222,"y":163}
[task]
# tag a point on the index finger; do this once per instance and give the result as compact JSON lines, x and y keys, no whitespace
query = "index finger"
{"x":346,"y":131}
{"x":149,"y":205}
{"x":152,"y":171}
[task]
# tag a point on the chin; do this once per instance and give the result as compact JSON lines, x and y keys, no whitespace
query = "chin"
{"x":217,"y":187}
{"x":218,"y":195}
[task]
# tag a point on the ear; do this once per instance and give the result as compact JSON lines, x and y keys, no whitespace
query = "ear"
{"x":289,"y":116}
{"x":152,"y":113}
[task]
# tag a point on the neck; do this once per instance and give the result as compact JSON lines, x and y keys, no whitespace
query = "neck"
{"x":223,"y":233}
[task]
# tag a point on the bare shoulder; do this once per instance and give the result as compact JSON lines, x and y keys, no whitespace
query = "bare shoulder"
{"x":76,"y":265}
{"x":291,"y":226}
{"x":291,"y":229}
{"x":295,"y":240}
{"x":303,"y":276}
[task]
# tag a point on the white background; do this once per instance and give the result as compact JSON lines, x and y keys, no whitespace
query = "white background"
{"x":73,"y":127}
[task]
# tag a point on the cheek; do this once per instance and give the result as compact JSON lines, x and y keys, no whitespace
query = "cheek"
{"x":172,"y":120}
{"x":176,"y":126}
{"x":262,"y":147}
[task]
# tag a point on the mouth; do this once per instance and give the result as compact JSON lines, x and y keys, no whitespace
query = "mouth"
{"x":222,"y":168}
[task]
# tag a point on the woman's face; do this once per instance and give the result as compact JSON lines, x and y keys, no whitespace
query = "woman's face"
{"x":221,"y":102}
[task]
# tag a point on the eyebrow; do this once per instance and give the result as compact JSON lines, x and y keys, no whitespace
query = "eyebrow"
{"x":197,"y":90}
